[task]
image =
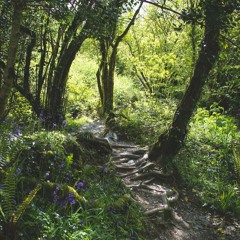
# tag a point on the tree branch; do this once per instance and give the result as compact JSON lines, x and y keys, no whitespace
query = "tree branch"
{"x":162,"y":7}
{"x":120,"y":37}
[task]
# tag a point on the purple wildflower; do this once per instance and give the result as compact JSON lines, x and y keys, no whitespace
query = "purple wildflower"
{"x":105,"y":168}
{"x":19,"y":170}
{"x":79,"y":184}
{"x":17,"y":132}
{"x":55,"y":198}
{"x":63,"y":202}
{"x":58,"y":187}
{"x":71,"y":198}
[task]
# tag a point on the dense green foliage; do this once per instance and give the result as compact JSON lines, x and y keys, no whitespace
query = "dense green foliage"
{"x":52,"y":186}
{"x":58,"y":189}
{"x":207,"y":163}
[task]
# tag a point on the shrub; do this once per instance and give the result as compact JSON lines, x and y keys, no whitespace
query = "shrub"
{"x":207,"y":163}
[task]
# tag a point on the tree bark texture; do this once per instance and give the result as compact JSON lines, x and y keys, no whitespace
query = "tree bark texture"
{"x":105,"y":77}
{"x":105,"y":73}
{"x":8,"y":74}
{"x":56,"y":92}
{"x":170,"y":142}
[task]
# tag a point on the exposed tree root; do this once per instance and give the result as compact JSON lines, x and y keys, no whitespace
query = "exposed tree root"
{"x":143,"y":177}
{"x":126,"y":167}
{"x":151,"y":188}
{"x":118,"y":145}
{"x":147,"y":166}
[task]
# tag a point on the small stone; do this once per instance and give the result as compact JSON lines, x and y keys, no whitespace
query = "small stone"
{"x":130,"y":162}
{"x":230,"y":230}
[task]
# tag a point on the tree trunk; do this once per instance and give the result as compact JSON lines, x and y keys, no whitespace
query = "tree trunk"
{"x":105,"y":73}
{"x":8,"y":74}
{"x":105,"y":76}
{"x":170,"y":142}
{"x":55,"y":106}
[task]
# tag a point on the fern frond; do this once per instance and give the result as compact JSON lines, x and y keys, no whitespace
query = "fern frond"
{"x":4,"y":149}
{"x":10,"y":146}
{"x":8,"y":195}
{"x":26,"y":202}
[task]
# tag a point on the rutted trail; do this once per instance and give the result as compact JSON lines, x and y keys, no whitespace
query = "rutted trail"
{"x":172,"y":217}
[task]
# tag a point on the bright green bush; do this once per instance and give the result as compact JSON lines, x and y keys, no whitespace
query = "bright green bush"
{"x":83,"y":97}
{"x":207,"y":164}
{"x":141,"y":121}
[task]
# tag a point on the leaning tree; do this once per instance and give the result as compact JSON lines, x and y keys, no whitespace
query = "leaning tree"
{"x":53,"y":37}
{"x":49,"y":37}
{"x":170,"y":142}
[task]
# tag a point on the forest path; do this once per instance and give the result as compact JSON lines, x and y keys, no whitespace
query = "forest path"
{"x":173,"y":214}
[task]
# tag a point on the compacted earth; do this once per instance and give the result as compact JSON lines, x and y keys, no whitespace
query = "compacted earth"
{"x":192,"y":222}
{"x":171,"y":212}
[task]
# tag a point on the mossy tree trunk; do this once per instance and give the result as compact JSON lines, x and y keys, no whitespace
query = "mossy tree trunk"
{"x":170,"y":142}
{"x":105,"y":73}
{"x":55,"y":105}
{"x":8,"y":74}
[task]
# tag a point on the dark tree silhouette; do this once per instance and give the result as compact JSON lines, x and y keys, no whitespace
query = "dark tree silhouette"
{"x":8,"y":73}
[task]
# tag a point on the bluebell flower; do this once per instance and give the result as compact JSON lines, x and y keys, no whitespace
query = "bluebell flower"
{"x":17,"y":132}
{"x":63,"y":202}
{"x":55,"y":198}
{"x":71,"y":198}
{"x":79,"y":184}
{"x":58,"y":187}
{"x":1,"y":186}
{"x":105,"y":168}
{"x":19,"y":170}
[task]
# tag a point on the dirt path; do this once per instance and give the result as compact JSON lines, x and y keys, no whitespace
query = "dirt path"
{"x":173,"y":213}
{"x":173,"y":216}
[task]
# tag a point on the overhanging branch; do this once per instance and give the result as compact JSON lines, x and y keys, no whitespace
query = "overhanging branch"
{"x":162,"y":7}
